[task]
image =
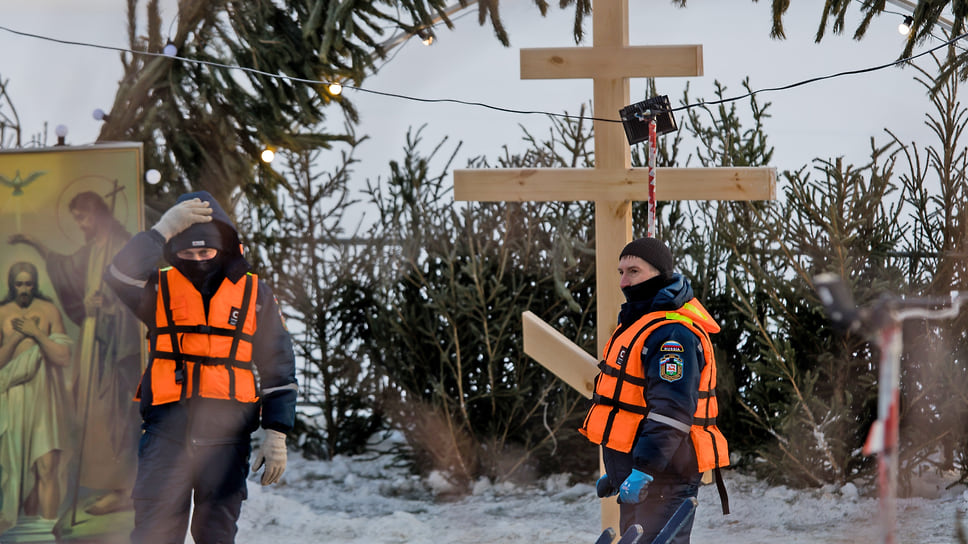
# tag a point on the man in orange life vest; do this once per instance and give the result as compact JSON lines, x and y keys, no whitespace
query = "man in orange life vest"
{"x":654,"y":406}
{"x":210,"y":322}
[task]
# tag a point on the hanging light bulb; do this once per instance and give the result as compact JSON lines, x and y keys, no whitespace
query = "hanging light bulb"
{"x":61,"y":131}
{"x":268,"y":154}
{"x":335,"y":88}
{"x":170,"y":50}
{"x":99,"y":115}
{"x":426,"y":35}
{"x":905,"y":27}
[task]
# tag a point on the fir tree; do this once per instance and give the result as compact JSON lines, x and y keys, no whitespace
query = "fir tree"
{"x":207,"y":115}
{"x":450,"y":285}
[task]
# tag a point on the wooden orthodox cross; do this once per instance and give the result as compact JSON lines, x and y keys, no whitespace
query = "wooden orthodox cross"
{"x":613,"y":184}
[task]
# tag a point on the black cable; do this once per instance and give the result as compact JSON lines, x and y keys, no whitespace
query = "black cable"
{"x":821,"y":78}
{"x":294,"y":79}
{"x":489,"y":106}
{"x":480,"y":104}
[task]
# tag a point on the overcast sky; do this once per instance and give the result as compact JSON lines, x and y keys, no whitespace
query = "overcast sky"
{"x":63,"y":84}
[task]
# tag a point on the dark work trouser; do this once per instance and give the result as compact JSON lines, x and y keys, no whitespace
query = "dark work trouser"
{"x":659,"y":505}
{"x":170,"y":472}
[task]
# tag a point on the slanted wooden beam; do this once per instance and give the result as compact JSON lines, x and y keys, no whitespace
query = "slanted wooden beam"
{"x":559,"y":354}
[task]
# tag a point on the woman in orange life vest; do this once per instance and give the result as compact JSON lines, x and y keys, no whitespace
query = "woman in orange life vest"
{"x":654,"y":407}
{"x":211,"y":323}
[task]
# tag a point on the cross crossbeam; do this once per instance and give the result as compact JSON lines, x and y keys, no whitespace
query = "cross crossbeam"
{"x":570,"y":184}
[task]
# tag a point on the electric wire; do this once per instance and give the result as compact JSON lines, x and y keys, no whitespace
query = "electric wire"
{"x":800,"y":83}
{"x":699,"y":104}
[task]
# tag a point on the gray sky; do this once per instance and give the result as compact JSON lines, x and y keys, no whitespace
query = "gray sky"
{"x":63,"y":84}
{"x":825,"y":119}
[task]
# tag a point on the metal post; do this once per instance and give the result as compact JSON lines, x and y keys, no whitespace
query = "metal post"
{"x":883,"y":437}
{"x":652,"y":152}
{"x":884,"y":320}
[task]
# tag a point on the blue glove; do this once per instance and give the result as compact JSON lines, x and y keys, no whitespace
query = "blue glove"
{"x":604,"y":487}
{"x":634,"y":488}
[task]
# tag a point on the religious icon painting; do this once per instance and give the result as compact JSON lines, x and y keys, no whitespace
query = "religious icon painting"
{"x":64,"y":213}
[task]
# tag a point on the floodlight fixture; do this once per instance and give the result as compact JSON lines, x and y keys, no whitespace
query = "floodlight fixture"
{"x":636,"y":118}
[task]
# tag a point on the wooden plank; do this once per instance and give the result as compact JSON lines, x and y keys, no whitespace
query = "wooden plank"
{"x":612,"y":151}
{"x":611,"y":62}
{"x":723,"y":183}
{"x":559,"y":354}
{"x":613,"y":229}
{"x":564,"y":184}
{"x":610,"y":23}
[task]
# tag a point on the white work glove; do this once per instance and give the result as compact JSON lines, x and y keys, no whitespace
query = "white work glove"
{"x":183,"y":215}
{"x":272,"y":453}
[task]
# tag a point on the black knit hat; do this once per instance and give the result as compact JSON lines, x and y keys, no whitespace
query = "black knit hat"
{"x":652,"y":251}
{"x":197,"y":235}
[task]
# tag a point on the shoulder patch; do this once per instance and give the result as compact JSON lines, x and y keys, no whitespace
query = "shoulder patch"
{"x":670,"y":367}
{"x":672,"y":346}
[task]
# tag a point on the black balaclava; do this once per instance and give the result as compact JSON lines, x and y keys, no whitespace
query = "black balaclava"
{"x":646,"y":290}
{"x":206,"y":276}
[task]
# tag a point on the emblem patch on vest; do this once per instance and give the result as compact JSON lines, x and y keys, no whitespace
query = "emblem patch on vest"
{"x":623,"y":354}
{"x":672,"y":346}
{"x":234,"y":314}
{"x":670,"y":367}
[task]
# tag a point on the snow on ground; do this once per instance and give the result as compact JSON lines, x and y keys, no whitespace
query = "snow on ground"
{"x":367,"y":499}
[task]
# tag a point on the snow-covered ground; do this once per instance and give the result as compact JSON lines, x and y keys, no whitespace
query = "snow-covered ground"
{"x":366,"y":499}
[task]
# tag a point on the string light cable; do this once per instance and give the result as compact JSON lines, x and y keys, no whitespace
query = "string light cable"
{"x":899,"y":62}
{"x":701,"y":103}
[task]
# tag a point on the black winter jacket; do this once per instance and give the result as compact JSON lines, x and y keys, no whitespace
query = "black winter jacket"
{"x":662,"y":451}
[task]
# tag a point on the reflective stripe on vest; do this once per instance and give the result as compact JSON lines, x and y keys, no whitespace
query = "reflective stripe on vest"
{"x":619,"y":399}
{"x":199,"y":355}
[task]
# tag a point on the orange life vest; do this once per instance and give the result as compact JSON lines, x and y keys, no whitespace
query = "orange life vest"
{"x":619,"y":404}
{"x":199,"y":355}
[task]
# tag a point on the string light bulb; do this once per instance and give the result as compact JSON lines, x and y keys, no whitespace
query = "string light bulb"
{"x":170,"y":50}
{"x":61,"y":131}
{"x":905,"y":27}
{"x":428,"y":40}
{"x":335,"y":88}
{"x":153,"y":177}
{"x":99,"y":115}
{"x":268,"y":154}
